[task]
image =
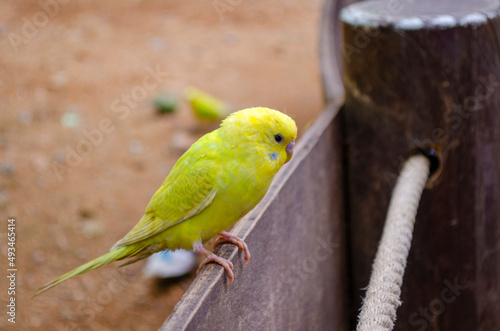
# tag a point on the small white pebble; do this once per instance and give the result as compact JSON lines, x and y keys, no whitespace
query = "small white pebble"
{"x":70,"y":120}
{"x":181,"y":141}
{"x":135,"y":147}
{"x":92,"y":229}
{"x":59,"y":80}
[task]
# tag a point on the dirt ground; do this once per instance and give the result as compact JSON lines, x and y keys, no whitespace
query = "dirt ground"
{"x":94,"y":66}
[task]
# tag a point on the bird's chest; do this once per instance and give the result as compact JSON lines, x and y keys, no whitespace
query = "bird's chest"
{"x":244,"y":184}
{"x":238,"y":192}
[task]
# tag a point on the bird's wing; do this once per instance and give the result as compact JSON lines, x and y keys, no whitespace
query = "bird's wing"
{"x":188,"y":190}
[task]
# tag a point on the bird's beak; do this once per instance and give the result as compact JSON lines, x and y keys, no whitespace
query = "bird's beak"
{"x":289,"y":150}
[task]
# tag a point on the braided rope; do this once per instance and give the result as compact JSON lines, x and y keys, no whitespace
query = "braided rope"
{"x":383,"y":294}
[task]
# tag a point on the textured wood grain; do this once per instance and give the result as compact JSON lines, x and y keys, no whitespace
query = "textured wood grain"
{"x":433,"y":87}
{"x":296,"y":277}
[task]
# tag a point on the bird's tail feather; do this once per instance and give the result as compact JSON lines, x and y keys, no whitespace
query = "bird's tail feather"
{"x":118,"y":254}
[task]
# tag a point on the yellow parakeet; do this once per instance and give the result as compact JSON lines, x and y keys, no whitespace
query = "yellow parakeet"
{"x":216,"y":182}
{"x":205,"y":106}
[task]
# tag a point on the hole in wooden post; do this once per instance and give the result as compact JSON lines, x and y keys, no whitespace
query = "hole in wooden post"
{"x":434,"y":155}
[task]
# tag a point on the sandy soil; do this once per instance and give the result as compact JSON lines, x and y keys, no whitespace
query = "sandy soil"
{"x":75,"y":191}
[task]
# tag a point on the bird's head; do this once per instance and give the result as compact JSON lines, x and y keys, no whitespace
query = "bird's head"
{"x":271,"y":133}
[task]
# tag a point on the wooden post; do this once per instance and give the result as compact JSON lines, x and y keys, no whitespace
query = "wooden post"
{"x":422,"y":75}
{"x":296,"y":277}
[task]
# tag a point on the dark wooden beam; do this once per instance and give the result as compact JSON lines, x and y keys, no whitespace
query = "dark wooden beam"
{"x":422,"y":75}
{"x":296,"y":277}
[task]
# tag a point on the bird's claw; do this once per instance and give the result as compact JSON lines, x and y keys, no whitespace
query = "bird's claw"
{"x":228,"y":265}
{"x":226,"y":237}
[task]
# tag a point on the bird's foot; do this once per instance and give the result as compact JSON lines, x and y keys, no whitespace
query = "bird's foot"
{"x":211,"y":257}
{"x":226,"y":237}
{"x":220,"y":260}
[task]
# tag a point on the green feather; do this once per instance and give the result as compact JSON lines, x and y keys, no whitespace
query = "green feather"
{"x":115,"y":255}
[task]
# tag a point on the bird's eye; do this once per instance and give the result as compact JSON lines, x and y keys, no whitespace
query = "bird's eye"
{"x":278,"y":138}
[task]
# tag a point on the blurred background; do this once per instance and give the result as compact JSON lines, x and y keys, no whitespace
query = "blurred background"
{"x":83,"y":147}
